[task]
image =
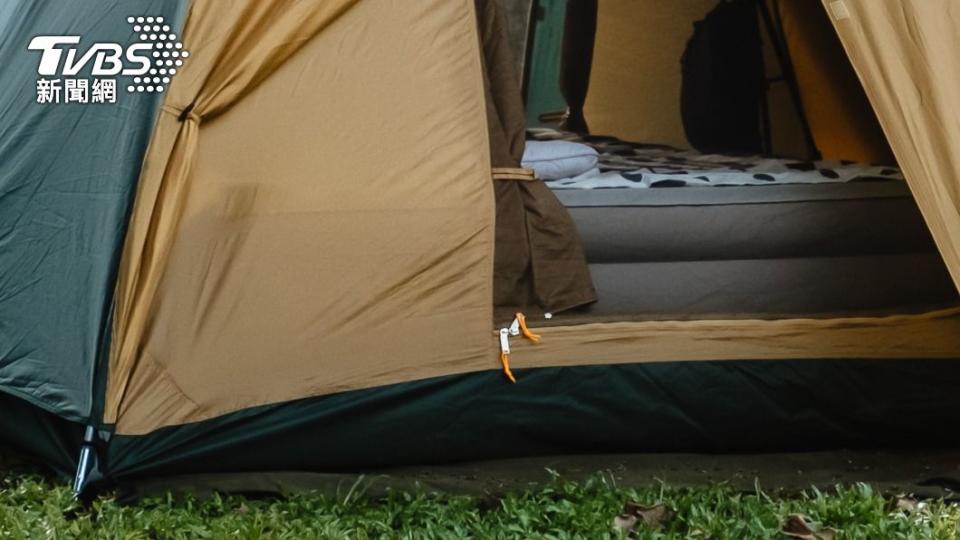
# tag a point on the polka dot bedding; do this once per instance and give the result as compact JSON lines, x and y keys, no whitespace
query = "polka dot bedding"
{"x":635,"y":165}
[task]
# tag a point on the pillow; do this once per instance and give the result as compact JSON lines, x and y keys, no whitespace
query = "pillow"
{"x":553,"y":160}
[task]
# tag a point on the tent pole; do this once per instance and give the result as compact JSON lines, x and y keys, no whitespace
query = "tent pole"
{"x":86,"y":463}
{"x":774,"y":27}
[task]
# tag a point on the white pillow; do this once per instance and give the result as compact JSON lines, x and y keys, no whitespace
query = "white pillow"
{"x":558,"y":159}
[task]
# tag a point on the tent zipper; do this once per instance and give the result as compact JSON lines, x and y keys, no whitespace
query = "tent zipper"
{"x":516,"y":328}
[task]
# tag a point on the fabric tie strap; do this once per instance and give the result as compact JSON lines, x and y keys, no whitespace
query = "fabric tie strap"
{"x":514,"y":173}
{"x":183,"y":114}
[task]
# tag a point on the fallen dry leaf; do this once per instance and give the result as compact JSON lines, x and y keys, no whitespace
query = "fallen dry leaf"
{"x":654,"y":516}
{"x":634,"y":513}
{"x":902,"y":503}
{"x":796,"y":526}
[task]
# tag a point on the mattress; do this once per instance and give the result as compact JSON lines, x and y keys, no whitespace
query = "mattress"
{"x":747,"y":222}
{"x":774,"y":288}
{"x":777,"y":250}
{"x":625,"y":165}
{"x":796,"y":250}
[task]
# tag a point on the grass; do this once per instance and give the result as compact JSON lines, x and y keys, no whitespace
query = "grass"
{"x":32,"y":506}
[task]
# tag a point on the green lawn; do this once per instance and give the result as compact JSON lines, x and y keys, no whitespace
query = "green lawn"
{"x":32,"y":506}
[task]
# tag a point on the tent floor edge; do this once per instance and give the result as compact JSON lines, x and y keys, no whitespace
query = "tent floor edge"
{"x":756,"y":406}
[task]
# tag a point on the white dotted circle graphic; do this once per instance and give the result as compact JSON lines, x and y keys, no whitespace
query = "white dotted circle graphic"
{"x":167,"y":52}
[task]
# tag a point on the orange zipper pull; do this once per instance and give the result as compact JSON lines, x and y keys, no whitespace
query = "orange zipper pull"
{"x":522,"y":321}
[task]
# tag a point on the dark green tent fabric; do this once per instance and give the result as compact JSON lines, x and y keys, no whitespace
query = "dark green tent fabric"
{"x":728,"y":406}
{"x":39,"y":435}
{"x":67,"y":176}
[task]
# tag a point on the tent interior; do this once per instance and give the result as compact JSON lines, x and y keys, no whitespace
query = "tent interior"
{"x":740,"y":171}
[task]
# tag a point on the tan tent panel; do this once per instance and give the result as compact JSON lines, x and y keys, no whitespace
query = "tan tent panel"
{"x":285,"y":261}
{"x":275,"y":255}
{"x":635,"y":77}
{"x":843,"y":124}
{"x":904,"y":52}
{"x":636,"y":74}
{"x":928,"y":335}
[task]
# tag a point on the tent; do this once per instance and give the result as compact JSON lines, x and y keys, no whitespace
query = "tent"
{"x":303,"y":250}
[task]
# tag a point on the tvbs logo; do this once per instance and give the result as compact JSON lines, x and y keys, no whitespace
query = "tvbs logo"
{"x":151,"y":62}
{"x":108,"y":58}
